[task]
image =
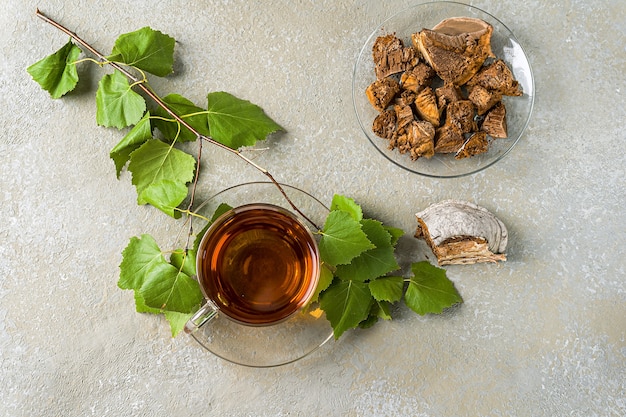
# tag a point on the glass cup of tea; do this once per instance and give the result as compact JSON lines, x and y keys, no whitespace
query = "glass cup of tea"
{"x":257,"y":264}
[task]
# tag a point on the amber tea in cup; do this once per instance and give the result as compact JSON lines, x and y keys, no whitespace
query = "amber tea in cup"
{"x":258,"y":264}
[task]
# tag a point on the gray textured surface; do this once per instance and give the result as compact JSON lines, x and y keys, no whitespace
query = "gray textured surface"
{"x":543,"y":334}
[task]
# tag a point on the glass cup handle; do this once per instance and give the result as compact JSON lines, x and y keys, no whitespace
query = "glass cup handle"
{"x":204,"y":314}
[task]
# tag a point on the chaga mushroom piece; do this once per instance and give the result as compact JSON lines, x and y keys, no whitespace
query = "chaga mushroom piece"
{"x":416,"y":138}
{"x":448,"y":139}
{"x":384,"y":125}
{"x":455,"y":48}
{"x":476,"y":144}
{"x":461,"y":114}
{"x":497,"y":77}
{"x":404,"y":115}
{"x":495,"y":122}
{"x":421,"y":137}
{"x":406,"y":98}
{"x":381,"y":92}
{"x":450,"y":65}
{"x":417,"y":78}
{"x":460,"y":232}
{"x":448,"y":93}
{"x":391,"y":56}
{"x":483,"y":99}
{"x":426,"y":106}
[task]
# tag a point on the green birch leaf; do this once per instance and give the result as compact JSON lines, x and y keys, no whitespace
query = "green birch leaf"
{"x":376,"y":233}
{"x":137,"y":136}
{"x":348,"y":205}
{"x":57,"y":73}
{"x":221,"y":209}
{"x":371,"y":319}
{"x":430,"y":290}
{"x":237,"y":123}
{"x":346,"y":303}
{"x":168,"y":288}
{"x":146,"y":49}
{"x":155,"y":161}
{"x":139,"y":256}
{"x":184,"y":260}
{"x":166,"y":195}
{"x":379,"y":310}
{"x":117,"y":105}
{"x":384,"y":310}
{"x":182,"y":107}
{"x":387,"y":288}
{"x":141,"y":307}
{"x":374,"y":262}
{"x":326,"y":278}
{"x":342,"y":239}
{"x":177,"y":321}
{"x":395,"y":234}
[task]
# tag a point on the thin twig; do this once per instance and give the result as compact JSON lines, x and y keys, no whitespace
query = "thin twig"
{"x":143,"y":85}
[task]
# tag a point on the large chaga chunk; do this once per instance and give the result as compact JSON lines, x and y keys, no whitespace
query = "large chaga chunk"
{"x":495,"y":122}
{"x":497,"y":77}
{"x":483,"y":99}
{"x":448,"y":93}
{"x":476,"y":144}
{"x":391,"y":56}
{"x":384,"y":125}
{"x":381,"y":92}
{"x":417,"y":78}
{"x":417,"y":139}
{"x":404,"y":115}
{"x":456,"y":48}
{"x":451,"y":66}
{"x":448,"y":139}
{"x":422,"y":139}
{"x":460,"y":232}
{"x":426,"y":106}
{"x":406,"y":98}
{"x":461,"y":114}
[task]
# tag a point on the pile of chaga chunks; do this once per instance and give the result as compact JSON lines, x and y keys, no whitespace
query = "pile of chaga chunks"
{"x":442,"y":94}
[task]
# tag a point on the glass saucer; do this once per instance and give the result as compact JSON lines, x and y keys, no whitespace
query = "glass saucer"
{"x":503,"y":44}
{"x":277,"y":344}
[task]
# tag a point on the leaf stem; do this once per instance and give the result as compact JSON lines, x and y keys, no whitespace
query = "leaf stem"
{"x":150,"y":93}
{"x":95,"y":61}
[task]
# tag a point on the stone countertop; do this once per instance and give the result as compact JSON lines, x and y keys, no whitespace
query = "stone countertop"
{"x":543,"y":334}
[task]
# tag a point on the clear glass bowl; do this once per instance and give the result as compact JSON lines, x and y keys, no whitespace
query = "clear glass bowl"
{"x":504,"y":45}
{"x":281,"y":343}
